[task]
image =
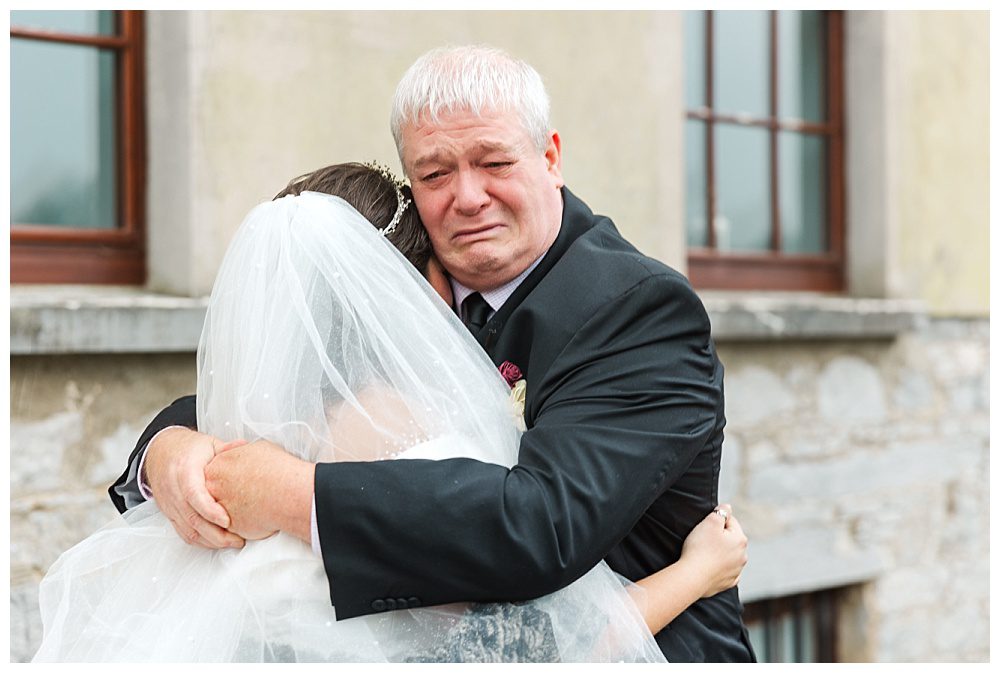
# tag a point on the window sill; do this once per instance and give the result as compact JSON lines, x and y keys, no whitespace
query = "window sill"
{"x":59,"y":319}
{"x":782,"y":316}
{"x":52,"y":319}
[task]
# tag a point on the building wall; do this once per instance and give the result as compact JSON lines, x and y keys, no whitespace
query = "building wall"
{"x":943,"y":69}
{"x":74,"y":422}
{"x":240,"y":102}
{"x":866,"y":464}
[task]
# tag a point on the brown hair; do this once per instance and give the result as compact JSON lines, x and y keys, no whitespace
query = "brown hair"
{"x":374,"y":196}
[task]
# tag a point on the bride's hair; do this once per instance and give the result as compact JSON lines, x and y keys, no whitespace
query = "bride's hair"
{"x":374,"y":196}
{"x":479,"y":78}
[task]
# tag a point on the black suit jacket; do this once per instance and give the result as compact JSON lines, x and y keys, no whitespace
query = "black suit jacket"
{"x":620,"y":461}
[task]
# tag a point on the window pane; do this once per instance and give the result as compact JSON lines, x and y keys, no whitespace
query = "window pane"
{"x":741,"y":51}
{"x":802,"y":192}
{"x":758,"y":639}
{"x":743,"y":196}
{"x":801,"y":65}
{"x":695,"y":180}
{"x":85,"y":22}
{"x":694,"y":58}
{"x":808,"y":633}
{"x":62,"y":135}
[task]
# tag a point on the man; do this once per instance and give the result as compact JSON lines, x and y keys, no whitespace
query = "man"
{"x":624,"y":404}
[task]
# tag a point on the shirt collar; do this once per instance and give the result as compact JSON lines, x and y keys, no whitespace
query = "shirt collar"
{"x":498,"y":295}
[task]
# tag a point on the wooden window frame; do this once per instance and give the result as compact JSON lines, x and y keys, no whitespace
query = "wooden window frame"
{"x":824,"y":607}
{"x":711,"y":268}
{"x":60,"y":254}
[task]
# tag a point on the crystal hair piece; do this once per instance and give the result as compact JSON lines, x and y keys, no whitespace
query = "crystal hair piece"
{"x":402,"y":203}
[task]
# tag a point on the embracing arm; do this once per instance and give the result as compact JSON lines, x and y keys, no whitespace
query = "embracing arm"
{"x":712,"y":560}
{"x":174,"y":466}
{"x":618,"y":416}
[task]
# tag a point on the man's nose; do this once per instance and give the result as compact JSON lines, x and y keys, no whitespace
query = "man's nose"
{"x":470,"y":192}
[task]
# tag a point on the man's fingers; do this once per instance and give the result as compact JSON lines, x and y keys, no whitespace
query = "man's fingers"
{"x":205,"y":507}
{"x":196,"y":531}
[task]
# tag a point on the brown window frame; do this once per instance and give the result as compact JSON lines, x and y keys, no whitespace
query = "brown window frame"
{"x":60,"y":254}
{"x":710,"y":268}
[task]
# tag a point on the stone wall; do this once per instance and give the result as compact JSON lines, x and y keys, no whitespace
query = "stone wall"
{"x":850,"y":463}
{"x":866,"y":464}
{"x":73,"y":422}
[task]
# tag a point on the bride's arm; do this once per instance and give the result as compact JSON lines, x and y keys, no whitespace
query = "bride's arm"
{"x":711,"y":561}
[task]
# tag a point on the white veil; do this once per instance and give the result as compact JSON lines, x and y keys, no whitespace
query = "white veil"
{"x":321,"y":337}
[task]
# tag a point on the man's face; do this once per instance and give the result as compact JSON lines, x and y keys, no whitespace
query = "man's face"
{"x":489,"y":198}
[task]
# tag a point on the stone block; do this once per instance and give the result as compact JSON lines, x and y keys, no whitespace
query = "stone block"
{"x":41,"y":529}
{"x":801,"y":560}
{"x":730,"y":470}
{"x":905,"y":588}
{"x":112,"y":455}
{"x":755,"y":394}
{"x":862,"y":472}
{"x":38,"y":448}
{"x":25,"y":622}
{"x":762,"y":453}
{"x":914,"y":392}
{"x":849,"y":389}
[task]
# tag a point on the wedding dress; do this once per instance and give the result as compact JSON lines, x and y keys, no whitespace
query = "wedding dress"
{"x":320,"y":337}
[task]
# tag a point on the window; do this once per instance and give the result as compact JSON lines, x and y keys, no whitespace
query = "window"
{"x":76,"y":150}
{"x":764,"y":149}
{"x":800,"y":628}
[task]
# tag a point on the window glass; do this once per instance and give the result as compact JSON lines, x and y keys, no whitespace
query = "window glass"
{"x":802,"y":192}
{"x":695,"y":179}
{"x":694,"y":58}
{"x":743,"y":194}
{"x":741,"y":51}
{"x":62,"y":135}
{"x":78,"y":22}
{"x":801,"y":68}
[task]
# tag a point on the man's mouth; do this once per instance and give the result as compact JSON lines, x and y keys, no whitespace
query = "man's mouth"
{"x":471,"y":233}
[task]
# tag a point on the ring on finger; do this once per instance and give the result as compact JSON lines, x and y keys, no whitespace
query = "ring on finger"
{"x":721,"y":512}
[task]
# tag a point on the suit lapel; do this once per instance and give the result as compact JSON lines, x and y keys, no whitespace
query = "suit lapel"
{"x":577,"y":219}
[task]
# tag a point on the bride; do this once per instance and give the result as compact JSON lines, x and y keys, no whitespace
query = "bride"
{"x":359,"y":359}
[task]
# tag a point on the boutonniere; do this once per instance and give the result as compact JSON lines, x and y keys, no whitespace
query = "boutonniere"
{"x":511,"y":373}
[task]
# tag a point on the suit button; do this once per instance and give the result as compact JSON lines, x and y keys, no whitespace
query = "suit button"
{"x":378,"y":604}
{"x":390,"y":603}
{"x":413,"y":602}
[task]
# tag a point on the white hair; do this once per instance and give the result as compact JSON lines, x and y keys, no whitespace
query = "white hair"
{"x":478,"y":78}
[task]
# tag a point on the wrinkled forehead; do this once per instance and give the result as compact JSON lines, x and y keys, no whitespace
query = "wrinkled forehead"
{"x":463,"y":135}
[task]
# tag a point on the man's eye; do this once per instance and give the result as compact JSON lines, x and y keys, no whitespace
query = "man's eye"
{"x":499,"y":164}
{"x":430,"y":177}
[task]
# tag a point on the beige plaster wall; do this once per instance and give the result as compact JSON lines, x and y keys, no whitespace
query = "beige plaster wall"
{"x":942,"y":61}
{"x":264,"y":96}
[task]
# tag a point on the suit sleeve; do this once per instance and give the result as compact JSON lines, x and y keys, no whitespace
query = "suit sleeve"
{"x":618,"y":417}
{"x":124,"y":492}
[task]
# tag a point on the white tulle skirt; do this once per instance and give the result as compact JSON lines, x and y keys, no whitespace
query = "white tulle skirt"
{"x":134,"y":591}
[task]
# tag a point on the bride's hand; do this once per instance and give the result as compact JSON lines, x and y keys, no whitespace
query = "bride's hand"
{"x":717,"y":547}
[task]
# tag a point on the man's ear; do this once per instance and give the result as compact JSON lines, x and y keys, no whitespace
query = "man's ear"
{"x":553,"y":158}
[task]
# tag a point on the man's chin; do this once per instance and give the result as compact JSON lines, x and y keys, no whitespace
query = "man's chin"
{"x":486,"y":271}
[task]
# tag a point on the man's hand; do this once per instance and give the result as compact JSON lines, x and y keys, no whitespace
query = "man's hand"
{"x":264,"y":489}
{"x":175,"y":472}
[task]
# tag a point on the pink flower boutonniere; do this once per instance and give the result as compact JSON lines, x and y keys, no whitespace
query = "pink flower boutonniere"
{"x":511,"y":373}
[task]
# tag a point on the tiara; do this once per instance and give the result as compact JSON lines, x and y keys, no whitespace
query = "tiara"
{"x":401,"y":201}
